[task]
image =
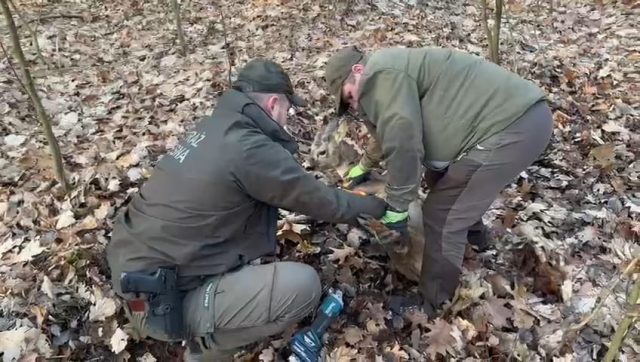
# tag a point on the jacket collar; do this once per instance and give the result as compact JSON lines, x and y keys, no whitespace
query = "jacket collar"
{"x":239,"y":102}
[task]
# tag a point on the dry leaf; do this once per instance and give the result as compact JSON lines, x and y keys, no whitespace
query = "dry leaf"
{"x":353,"y":335}
{"x":522,"y":319}
{"x":467,"y":328}
{"x":613,"y":127}
{"x":119,"y":341}
{"x":14,"y":140}
{"x":40,"y":313}
{"x":306,"y":247}
{"x":102,"y":212}
{"x":267,"y":355}
{"x":567,"y":291}
{"x":147,"y":357}
{"x":604,"y":155}
{"x":374,"y":327}
{"x":355,"y":237}
{"x":15,"y":342}
{"x":47,"y":287}
{"x":342,"y":354}
{"x":500,"y":286}
{"x":68,"y":120}
{"x":290,"y":235}
{"x":397,"y":352}
{"x":30,"y":250}
{"x":103,"y":308}
{"x":439,"y":339}
{"x":417,"y":318}
{"x":12,"y":343}
{"x":88,"y":223}
{"x":66,"y":219}
{"x":114,"y":185}
{"x":128,"y":160}
{"x":341,"y":254}
{"x":497,"y":313}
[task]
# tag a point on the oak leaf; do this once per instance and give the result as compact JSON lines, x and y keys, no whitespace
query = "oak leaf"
{"x":341,"y":254}
{"x":439,"y":339}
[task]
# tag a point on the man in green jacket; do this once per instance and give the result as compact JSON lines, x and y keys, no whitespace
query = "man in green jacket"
{"x":210,"y":210}
{"x":474,"y":126}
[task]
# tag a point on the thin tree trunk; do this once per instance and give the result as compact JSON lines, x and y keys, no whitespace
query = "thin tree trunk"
{"x":496,"y":32}
{"x":178,"y":21}
{"x":487,"y":30}
{"x":623,"y":328}
{"x":227,"y":46}
{"x":35,"y":99}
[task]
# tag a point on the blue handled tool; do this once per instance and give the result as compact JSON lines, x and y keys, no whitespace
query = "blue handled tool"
{"x":307,"y":343}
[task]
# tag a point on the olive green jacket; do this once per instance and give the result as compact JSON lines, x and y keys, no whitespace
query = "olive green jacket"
{"x":429,"y":106}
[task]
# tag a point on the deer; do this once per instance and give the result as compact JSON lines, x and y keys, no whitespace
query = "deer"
{"x":333,"y":152}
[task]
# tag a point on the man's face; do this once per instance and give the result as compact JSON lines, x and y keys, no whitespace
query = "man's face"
{"x":278,"y":108}
{"x":351,"y":88}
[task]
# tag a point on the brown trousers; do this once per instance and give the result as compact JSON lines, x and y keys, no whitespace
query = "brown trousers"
{"x":456,"y":202}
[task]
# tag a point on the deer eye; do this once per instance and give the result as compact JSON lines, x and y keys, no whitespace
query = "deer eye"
{"x":322,"y":153}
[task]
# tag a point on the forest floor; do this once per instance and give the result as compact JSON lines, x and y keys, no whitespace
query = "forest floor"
{"x":120,"y":95}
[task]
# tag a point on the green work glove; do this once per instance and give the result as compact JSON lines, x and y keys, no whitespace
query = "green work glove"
{"x":357,"y":175}
{"x":398,"y":221}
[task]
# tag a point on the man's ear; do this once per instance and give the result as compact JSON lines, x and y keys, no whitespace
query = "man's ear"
{"x":272,"y":101}
{"x":357,"y":68}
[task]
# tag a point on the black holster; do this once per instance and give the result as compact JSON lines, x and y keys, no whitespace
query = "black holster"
{"x":164,"y":314}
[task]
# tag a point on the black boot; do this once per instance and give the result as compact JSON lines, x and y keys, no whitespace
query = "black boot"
{"x":479,"y":239}
{"x":401,"y":304}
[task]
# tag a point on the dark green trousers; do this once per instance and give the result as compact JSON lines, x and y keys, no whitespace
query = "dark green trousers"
{"x":459,"y":198}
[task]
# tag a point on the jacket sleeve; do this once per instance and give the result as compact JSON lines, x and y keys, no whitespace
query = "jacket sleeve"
{"x":372,"y":154}
{"x":390,"y":100}
{"x":269,"y":173}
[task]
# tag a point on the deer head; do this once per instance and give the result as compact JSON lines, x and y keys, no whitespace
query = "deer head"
{"x":331,"y":150}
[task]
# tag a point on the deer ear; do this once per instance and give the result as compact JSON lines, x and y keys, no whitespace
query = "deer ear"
{"x":341,"y":132}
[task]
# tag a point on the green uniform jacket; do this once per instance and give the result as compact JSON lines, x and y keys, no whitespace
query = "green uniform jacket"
{"x":212,"y":204}
{"x":429,"y":106}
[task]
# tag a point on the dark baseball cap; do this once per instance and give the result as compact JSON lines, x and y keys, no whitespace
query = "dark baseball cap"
{"x":337,"y":71}
{"x":265,"y":76}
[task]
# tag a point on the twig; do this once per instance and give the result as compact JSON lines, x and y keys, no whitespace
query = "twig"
{"x":226,"y":43}
{"x":33,"y":34}
{"x":6,"y":54}
{"x":52,"y":16}
{"x":604,"y":295}
{"x":623,"y":328}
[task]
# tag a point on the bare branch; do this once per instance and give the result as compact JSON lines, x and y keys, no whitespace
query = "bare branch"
{"x":623,"y":328}
{"x":51,"y":16}
{"x":35,"y":98}
{"x":605,"y":294}
{"x":33,"y":34}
